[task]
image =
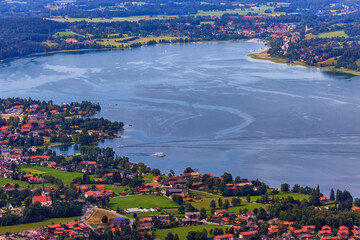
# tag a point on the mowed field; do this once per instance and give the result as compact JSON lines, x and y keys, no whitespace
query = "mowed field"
{"x":66,"y":177}
{"x":4,"y":181}
{"x":115,"y":19}
{"x":328,"y":34}
{"x":207,"y":198}
{"x":29,"y":226}
{"x":142,"y":40}
{"x":95,"y":218}
{"x":182,"y":232}
{"x":142,"y":201}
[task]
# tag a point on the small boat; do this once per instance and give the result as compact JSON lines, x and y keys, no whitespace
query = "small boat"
{"x":121,"y":146}
{"x":159,"y":154}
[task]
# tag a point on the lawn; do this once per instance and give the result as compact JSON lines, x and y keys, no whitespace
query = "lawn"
{"x":66,"y":177}
{"x":142,"y":40}
{"x":4,"y":181}
{"x":328,"y":34}
{"x":258,"y":10}
{"x":182,"y":232}
{"x":207,"y":22}
{"x":145,"y":214}
{"x":64,"y":34}
{"x":96,"y":216}
{"x":142,"y":201}
{"x":29,"y":226}
{"x":115,"y":19}
{"x":117,"y":190}
{"x":203,"y":194}
{"x":248,"y":206}
{"x":148,"y":178}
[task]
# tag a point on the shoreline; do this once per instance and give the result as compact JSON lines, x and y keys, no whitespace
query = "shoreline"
{"x":108,"y":49}
{"x":264,"y":56}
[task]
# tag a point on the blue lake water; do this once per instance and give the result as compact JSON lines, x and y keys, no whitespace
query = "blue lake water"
{"x":211,"y":107}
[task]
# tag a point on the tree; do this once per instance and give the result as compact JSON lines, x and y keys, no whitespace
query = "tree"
{"x":28,"y":201}
{"x":296,"y":188}
{"x":169,"y":236}
{"x":86,"y":178}
{"x":284,"y":187}
{"x":181,"y":209}
{"x":188,"y":170}
{"x":332,"y":195}
{"x":227,"y":178}
{"x":203,"y":213}
{"x":236,"y":201}
{"x":248,"y":198}
{"x":178,"y":199}
{"x":212,"y":204}
{"x":220,"y":202}
{"x":226,"y":204}
{"x":155,"y":172}
{"x":104,"y":219}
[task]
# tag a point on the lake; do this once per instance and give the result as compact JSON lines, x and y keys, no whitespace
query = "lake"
{"x":211,"y":107}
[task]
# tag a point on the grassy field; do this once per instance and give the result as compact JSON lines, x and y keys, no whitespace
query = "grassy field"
{"x":258,"y":10}
{"x":207,"y":22}
{"x":249,"y":206}
{"x":64,"y":34}
{"x":117,"y":190}
{"x":144,"y":201}
{"x":95,"y":218}
{"x":148,"y":178}
{"x":182,"y":232}
{"x":203,"y":194}
{"x":29,"y":226}
{"x":328,"y":34}
{"x":66,"y":177}
{"x":115,"y":19}
{"x":4,"y":181}
{"x":142,"y":40}
{"x":144,"y":214}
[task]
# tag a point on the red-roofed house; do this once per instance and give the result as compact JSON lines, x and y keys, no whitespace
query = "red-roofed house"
{"x":248,"y":234}
{"x":43,"y":200}
{"x":224,"y":237}
{"x":71,"y":40}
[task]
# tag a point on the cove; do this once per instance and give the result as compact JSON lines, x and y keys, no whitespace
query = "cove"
{"x":211,"y":107}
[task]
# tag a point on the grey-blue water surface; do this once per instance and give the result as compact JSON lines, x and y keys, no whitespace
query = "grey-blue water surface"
{"x":211,"y":107}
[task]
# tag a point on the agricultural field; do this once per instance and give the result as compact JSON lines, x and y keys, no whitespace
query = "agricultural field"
{"x":96,"y":216}
{"x":115,"y":19}
{"x":142,"y":40}
{"x":117,"y":190}
{"x":142,"y":201}
{"x":328,"y":34}
{"x":258,"y":10}
{"x":207,"y":198}
{"x":4,"y":181}
{"x":144,"y":214}
{"x":66,"y":177}
{"x":182,"y":232}
{"x":148,"y":178}
{"x":29,"y":226}
{"x":64,"y":34}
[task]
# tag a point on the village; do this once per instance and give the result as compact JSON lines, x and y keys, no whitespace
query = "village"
{"x":96,"y":193}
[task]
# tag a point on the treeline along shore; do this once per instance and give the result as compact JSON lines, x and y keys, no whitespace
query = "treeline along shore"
{"x":328,"y":40}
